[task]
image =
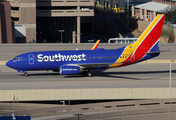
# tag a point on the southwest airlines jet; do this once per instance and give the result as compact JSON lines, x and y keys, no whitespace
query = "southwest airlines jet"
{"x":74,"y":62}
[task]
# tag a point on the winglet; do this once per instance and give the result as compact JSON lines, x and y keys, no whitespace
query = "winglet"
{"x":96,"y":45}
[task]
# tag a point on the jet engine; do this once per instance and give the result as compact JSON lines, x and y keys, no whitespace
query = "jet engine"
{"x":70,"y":70}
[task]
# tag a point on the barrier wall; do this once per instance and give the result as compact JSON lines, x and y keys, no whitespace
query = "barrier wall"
{"x":86,"y":94}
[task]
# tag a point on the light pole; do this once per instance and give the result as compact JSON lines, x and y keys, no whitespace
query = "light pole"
{"x":78,"y":114}
{"x":128,"y":13}
{"x":63,"y":102}
{"x":61,"y":34}
{"x":170,"y":84}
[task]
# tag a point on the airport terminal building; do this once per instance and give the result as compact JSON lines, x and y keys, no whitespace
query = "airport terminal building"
{"x":51,"y":21}
{"x":44,"y":18}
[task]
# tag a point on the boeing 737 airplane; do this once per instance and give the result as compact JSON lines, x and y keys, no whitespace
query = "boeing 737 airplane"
{"x":74,"y":62}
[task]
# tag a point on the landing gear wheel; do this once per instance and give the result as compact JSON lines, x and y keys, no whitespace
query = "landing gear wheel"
{"x":25,"y":74}
{"x":89,"y":74}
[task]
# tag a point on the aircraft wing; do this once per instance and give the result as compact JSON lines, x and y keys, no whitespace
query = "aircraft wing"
{"x":94,"y":65}
{"x":91,"y":65}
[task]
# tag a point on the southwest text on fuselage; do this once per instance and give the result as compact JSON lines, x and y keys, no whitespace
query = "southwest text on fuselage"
{"x":59,"y":57}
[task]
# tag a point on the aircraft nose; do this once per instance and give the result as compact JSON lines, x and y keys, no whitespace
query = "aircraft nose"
{"x":10,"y":64}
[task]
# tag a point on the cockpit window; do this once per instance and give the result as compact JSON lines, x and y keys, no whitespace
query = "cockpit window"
{"x":17,"y":58}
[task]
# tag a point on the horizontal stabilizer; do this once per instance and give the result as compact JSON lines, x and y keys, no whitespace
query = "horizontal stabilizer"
{"x":154,"y":52}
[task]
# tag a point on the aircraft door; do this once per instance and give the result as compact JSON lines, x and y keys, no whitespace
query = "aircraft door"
{"x":31,"y":58}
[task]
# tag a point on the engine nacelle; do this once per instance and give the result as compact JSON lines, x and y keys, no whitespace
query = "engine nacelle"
{"x":69,"y":70}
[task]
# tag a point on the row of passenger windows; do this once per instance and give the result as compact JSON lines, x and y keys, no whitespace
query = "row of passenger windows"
{"x":107,"y":57}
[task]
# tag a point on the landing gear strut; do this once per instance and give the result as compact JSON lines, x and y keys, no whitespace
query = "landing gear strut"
{"x":87,"y":73}
{"x":25,"y":74}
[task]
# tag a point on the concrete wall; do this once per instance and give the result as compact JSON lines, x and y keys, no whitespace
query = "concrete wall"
{"x":143,"y":14}
{"x":136,"y":12}
{"x":86,"y":94}
{"x":65,"y":3}
{"x":28,"y":18}
{"x":6,"y":35}
{"x":151,"y":109}
{"x":64,"y":13}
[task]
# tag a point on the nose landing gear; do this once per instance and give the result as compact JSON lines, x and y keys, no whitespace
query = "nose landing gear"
{"x":25,"y":74}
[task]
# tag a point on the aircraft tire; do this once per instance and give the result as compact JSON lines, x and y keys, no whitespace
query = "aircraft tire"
{"x":89,"y":74}
{"x":25,"y":74}
{"x":86,"y":73}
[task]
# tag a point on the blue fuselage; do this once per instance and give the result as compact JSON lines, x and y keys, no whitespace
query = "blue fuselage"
{"x":52,"y":60}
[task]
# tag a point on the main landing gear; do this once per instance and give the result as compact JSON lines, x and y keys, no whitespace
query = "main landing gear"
{"x":87,"y":73}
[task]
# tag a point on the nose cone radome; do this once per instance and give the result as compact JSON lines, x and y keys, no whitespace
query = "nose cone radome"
{"x":10,"y":64}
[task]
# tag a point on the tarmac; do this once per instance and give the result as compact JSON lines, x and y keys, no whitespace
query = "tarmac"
{"x":147,"y":78}
{"x":134,"y":76}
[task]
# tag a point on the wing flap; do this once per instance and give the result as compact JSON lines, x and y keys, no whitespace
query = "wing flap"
{"x":90,"y":65}
{"x":93,"y":65}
